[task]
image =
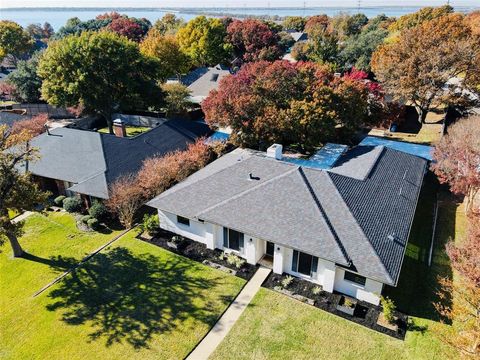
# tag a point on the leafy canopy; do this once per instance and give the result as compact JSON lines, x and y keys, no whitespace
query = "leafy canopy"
{"x":14,"y":40}
{"x":26,"y":80}
{"x":203,"y":40}
{"x":253,"y":40}
{"x":17,"y":191}
{"x":101,"y":71}
{"x":417,"y":67}
{"x":287,"y":103}
{"x":165,"y":48}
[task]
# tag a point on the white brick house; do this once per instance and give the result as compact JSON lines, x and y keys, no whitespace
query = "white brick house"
{"x":345,"y":228}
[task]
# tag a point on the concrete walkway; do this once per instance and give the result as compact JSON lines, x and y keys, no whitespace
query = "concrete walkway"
{"x":210,"y":342}
{"x":22,"y":217}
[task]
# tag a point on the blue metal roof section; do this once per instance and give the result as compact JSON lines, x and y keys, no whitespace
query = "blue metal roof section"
{"x":324,"y":158}
{"x":218,"y":136}
{"x":423,"y":151}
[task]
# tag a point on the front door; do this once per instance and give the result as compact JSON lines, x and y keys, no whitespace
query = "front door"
{"x":270,"y":248}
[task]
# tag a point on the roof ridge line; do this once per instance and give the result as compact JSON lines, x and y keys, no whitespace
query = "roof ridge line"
{"x":324,"y":214}
{"x":236,"y":196}
{"x":359,"y":226}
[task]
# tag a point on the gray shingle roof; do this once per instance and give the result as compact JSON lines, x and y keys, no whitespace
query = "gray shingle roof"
{"x":346,"y":219}
{"x":208,"y":81}
{"x":92,"y":161}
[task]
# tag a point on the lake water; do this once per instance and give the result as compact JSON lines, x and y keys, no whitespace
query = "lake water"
{"x":58,"y":17}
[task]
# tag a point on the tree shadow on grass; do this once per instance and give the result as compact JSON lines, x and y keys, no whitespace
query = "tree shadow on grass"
{"x":128,"y":297}
{"x":58,"y":263}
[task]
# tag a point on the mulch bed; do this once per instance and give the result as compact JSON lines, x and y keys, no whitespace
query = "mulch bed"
{"x":365,"y":313}
{"x":198,"y":252}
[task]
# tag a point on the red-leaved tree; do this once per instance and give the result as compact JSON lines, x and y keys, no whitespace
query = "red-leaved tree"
{"x":127,"y":27}
{"x":33,"y":126}
{"x":253,"y":40}
{"x":457,"y":158}
{"x":288,"y":103}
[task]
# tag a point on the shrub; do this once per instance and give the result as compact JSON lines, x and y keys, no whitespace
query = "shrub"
{"x":388,"y":309}
{"x":234,"y":260}
{"x":72,"y":204}
{"x":59,"y":200}
{"x":177,"y":239}
{"x":93,"y":223}
{"x":287,"y":281}
{"x":98,"y":210}
{"x":316,"y":290}
{"x":85,"y":219}
{"x":348,"y":303}
{"x":150,"y":223}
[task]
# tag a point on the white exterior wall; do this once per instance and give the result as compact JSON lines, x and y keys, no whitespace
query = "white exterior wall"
{"x":370,"y":292}
{"x":201,"y":232}
{"x":329,"y":275}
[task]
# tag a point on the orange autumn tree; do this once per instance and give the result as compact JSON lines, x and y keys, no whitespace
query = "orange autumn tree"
{"x":18,"y":192}
{"x":417,"y":66}
{"x":464,"y":291}
{"x":457,"y":157}
{"x":157,"y":174}
{"x":34,"y":126}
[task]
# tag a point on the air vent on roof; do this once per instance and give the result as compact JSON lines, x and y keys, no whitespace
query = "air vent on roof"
{"x":214,"y":77}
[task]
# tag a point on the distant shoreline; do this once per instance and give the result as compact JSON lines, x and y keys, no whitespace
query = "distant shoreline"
{"x":200,"y":9}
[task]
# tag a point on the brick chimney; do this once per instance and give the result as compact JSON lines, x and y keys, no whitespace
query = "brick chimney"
{"x":119,"y":128}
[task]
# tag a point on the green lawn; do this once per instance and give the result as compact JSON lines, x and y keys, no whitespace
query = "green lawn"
{"x":275,"y":326}
{"x":12,"y":214}
{"x":133,"y":300}
{"x":131,"y":130}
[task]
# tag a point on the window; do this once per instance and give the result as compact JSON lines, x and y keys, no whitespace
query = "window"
{"x":232,"y":239}
{"x":183,"y":220}
{"x":357,"y":279}
{"x":304,"y":263}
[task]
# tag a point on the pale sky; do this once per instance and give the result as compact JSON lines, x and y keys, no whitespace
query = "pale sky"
{"x":226,"y":3}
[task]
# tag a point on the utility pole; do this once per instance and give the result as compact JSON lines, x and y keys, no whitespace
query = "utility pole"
{"x":304,"y":7}
{"x":359,"y":5}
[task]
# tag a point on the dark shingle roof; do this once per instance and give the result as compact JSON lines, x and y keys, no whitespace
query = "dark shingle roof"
{"x":384,"y":203}
{"x":92,"y":160}
{"x":346,"y":219}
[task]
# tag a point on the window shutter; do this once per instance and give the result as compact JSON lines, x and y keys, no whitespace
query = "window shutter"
{"x":240,"y":241}
{"x":225,"y":237}
{"x":314,"y":267}
{"x":295,"y":261}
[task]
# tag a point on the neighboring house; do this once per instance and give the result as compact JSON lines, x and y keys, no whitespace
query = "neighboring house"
{"x":86,"y":162}
{"x":206,"y":82}
{"x":9,"y":117}
{"x":345,"y":228}
{"x":298,"y":35}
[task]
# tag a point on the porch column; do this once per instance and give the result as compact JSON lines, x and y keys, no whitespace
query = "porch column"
{"x":250,"y":250}
{"x":329,"y":277}
{"x":210,"y":232}
{"x":278,"y":255}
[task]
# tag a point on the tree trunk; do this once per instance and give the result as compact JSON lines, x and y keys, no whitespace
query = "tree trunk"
{"x":422,"y":114}
{"x":108,"y":117}
{"x":16,"y":247}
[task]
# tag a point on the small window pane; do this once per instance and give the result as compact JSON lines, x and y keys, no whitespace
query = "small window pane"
{"x":304,"y":264}
{"x":183,"y":220}
{"x":357,"y":279}
{"x":295,"y":261}
{"x":233,"y":239}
